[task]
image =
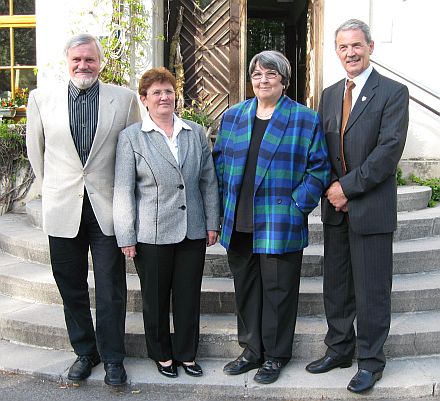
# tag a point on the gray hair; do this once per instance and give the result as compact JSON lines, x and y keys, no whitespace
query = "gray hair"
{"x":355,"y":24}
{"x":273,"y":60}
{"x":84,"y":39}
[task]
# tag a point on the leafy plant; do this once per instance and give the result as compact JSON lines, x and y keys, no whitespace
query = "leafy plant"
{"x":399,"y":177}
{"x":198,"y":112}
{"x":7,"y":103}
{"x":21,"y":96}
{"x":434,"y":183}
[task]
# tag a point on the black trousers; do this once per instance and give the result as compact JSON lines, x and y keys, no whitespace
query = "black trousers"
{"x":164,"y":270}
{"x":266,"y":294}
{"x":357,"y":283}
{"x":69,"y":258}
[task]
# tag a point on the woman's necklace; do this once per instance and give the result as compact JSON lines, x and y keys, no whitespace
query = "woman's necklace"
{"x":264,"y":116}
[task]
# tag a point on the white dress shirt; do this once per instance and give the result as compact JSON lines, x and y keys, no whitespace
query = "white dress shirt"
{"x":359,"y":82}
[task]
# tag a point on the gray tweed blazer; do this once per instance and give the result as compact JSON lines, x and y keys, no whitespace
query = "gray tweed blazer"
{"x":158,"y":201}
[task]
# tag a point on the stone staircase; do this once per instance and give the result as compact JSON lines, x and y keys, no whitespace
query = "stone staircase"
{"x":31,"y":312}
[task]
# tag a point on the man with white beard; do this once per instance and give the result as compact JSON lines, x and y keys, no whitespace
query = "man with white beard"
{"x":72,"y":133}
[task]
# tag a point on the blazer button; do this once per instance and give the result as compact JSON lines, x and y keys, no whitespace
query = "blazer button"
{"x":279,"y":201}
{"x":183,"y":207}
{"x":181,"y":186}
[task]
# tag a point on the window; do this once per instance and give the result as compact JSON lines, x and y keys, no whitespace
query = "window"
{"x":17,"y":46}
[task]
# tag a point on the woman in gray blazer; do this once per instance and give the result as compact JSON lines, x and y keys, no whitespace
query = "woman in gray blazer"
{"x":166,"y":211}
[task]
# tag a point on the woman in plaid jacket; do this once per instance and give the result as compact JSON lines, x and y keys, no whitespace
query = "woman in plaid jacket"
{"x":272,"y":165}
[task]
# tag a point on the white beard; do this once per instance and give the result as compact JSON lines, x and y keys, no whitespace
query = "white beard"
{"x":84,"y":83}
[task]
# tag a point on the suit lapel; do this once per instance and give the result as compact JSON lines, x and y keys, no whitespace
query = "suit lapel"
{"x":338,"y":99}
{"x":158,"y":141}
{"x":365,"y":97}
{"x":182,"y":140}
{"x":272,"y":138}
{"x":106,"y":116}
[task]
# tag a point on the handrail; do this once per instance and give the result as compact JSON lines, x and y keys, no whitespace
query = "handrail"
{"x":421,"y":87}
{"x":417,"y":85}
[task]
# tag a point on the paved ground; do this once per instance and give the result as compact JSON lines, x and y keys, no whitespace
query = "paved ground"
{"x":17,"y":387}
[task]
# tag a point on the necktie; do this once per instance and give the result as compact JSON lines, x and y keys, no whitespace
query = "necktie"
{"x":346,"y":109}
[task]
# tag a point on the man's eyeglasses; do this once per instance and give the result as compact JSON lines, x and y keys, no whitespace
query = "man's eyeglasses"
{"x":259,"y":75}
{"x":158,"y":93}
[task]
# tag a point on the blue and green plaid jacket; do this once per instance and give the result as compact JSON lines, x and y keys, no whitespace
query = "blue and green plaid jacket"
{"x":292,"y":172}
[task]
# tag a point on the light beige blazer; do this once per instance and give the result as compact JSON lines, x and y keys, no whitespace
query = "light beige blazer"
{"x":56,"y":163}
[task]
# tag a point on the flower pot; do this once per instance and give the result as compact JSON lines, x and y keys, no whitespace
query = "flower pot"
{"x":7,"y":113}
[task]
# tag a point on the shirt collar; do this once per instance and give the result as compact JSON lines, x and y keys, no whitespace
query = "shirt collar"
{"x":149,"y":125}
{"x":90,"y":92}
{"x":361,"y":78}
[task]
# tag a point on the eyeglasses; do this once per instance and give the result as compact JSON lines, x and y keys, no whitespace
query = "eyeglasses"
{"x":158,"y":93}
{"x":259,"y":75}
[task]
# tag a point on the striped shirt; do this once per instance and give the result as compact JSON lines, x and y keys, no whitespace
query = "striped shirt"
{"x":83,"y":117}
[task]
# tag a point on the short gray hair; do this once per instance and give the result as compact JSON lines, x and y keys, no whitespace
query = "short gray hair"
{"x":352,"y":25}
{"x":84,"y":39}
{"x":273,"y":60}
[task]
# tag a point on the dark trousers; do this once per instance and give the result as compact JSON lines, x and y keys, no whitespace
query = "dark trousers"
{"x":266,"y":294}
{"x":174,"y":269}
{"x":69,"y":258}
{"x":357,"y":283}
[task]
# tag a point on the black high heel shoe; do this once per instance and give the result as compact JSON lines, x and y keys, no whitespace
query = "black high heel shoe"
{"x":192,"y":370}
{"x":168,"y":371}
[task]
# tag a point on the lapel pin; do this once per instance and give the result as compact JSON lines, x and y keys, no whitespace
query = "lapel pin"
{"x":364,"y":98}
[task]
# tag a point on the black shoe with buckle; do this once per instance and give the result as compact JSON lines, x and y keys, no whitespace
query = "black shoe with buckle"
{"x":239,"y":366}
{"x":269,"y":372}
{"x":115,"y":374}
{"x":82,"y":367}
{"x":327,"y":363}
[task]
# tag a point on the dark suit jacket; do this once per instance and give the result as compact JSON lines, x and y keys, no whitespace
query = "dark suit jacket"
{"x":373,"y":144}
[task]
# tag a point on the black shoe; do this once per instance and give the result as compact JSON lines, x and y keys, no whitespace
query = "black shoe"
{"x":115,"y":374}
{"x":82,"y":367}
{"x":168,"y":371}
{"x":363,"y":380}
{"x":327,"y":363}
{"x":269,"y":372}
{"x":192,"y":370}
{"x":239,"y":366}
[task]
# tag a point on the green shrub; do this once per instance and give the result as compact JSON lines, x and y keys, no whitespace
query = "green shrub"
{"x":399,"y":177}
{"x":434,"y":183}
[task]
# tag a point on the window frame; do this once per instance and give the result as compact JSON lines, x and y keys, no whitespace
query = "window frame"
{"x":12,"y":22}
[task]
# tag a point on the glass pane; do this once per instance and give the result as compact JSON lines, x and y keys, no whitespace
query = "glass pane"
{"x":25,"y":53}
{"x":25,"y":79}
{"x":5,"y":53}
{"x":4,"y":7}
{"x":24,"y":7}
{"x":5,"y":83}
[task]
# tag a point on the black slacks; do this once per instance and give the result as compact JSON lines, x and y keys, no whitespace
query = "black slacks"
{"x":357,"y":283}
{"x":266,"y":294}
{"x":174,"y":269}
{"x":69,"y":259}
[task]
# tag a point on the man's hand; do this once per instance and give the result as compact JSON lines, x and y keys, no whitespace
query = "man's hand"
{"x":336,"y":197}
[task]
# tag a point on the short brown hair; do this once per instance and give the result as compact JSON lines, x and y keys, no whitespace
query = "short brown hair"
{"x":160,"y":74}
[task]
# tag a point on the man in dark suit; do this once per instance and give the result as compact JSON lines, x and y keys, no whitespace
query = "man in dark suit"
{"x":365,"y":125}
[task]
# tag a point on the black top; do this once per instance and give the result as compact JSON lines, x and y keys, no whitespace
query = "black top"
{"x":83,"y":117}
{"x":244,"y":218}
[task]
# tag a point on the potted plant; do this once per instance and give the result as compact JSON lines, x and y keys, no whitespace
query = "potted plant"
{"x":7,"y":108}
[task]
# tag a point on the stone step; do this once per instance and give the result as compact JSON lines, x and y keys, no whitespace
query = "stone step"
{"x":34,"y":282}
{"x":19,"y":238}
{"x":411,"y":224}
{"x":409,"y":197}
{"x":403,"y":379}
{"x":411,"y":333}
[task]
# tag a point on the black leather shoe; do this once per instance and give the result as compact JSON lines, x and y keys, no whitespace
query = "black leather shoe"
{"x":363,"y":380}
{"x":168,"y":371}
{"x":239,"y":366}
{"x":82,"y":367}
{"x":327,"y":363}
{"x":192,"y":370}
{"x":115,"y":374}
{"x":269,"y":372}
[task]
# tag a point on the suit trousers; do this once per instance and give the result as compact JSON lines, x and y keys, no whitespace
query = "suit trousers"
{"x":266,"y":295}
{"x":357,"y":283}
{"x":174,"y":269}
{"x":69,"y":259}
